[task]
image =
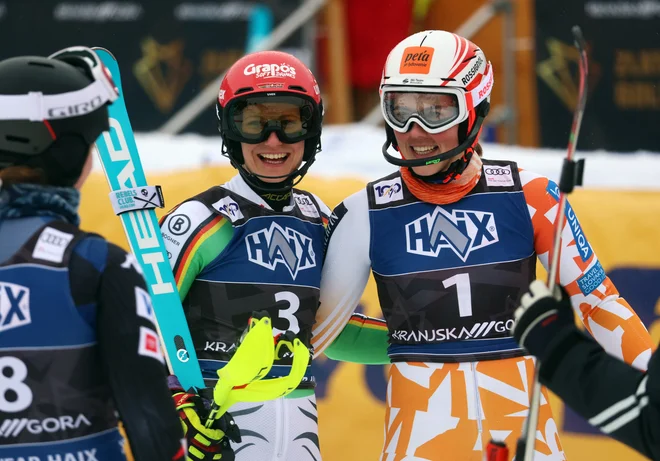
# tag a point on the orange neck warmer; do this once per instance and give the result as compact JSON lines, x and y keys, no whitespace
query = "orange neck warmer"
{"x":443,"y":194}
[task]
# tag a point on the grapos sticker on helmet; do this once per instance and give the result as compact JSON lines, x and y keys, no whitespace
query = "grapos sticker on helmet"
{"x":270,"y":70}
{"x":416,"y":60}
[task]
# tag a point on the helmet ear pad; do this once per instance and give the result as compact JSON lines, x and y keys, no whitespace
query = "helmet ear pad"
{"x":313,"y":145}
{"x":465,"y":127}
{"x":389,"y":133}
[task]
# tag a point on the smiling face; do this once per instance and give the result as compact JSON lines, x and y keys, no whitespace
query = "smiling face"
{"x":436,"y":110}
{"x":272,"y":160}
{"x":417,"y":143}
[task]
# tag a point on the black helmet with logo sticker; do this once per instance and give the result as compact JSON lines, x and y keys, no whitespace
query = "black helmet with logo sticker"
{"x":52,"y":110}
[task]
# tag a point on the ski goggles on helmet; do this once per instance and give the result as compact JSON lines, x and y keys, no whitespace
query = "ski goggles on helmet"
{"x":436,"y":110}
{"x":37,"y":107}
{"x":253,"y":118}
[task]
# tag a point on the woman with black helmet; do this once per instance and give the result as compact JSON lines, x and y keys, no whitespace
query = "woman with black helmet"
{"x":78,"y":341}
{"x":453,"y":240}
{"x":256,"y":243}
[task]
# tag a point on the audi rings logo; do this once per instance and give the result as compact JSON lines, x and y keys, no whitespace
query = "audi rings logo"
{"x":499,"y":176}
{"x":497,"y":171}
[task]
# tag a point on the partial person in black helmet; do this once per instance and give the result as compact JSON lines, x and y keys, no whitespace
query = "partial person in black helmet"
{"x":617,"y":398}
{"x":79,"y":350}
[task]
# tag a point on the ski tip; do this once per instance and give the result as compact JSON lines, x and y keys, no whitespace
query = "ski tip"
{"x":100,"y":48}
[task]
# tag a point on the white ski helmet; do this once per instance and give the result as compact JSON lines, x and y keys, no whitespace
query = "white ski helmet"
{"x":429,"y":63}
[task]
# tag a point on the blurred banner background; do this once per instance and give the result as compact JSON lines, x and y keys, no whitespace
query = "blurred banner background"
{"x":624,"y":52}
{"x":170,"y":52}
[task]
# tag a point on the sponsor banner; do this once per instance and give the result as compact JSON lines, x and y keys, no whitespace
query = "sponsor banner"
{"x":623,"y":228}
{"x":280,"y":246}
{"x":623,"y":105}
{"x":168,"y":51}
{"x":388,"y":191}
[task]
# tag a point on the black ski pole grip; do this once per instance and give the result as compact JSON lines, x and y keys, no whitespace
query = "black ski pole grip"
{"x":567,"y":178}
{"x":571,"y":175}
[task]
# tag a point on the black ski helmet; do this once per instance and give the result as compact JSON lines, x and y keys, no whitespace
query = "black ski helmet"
{"x":52,"y":110}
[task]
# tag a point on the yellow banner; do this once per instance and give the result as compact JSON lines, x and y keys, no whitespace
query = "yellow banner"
{"x":623,"y":228}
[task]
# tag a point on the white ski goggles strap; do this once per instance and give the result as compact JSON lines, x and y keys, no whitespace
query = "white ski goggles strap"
{"x":37,"y":107}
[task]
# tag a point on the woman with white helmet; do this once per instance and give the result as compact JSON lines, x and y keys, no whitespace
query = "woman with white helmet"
{"x":452,"y":240}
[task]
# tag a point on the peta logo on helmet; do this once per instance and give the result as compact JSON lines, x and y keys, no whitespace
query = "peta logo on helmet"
{"x":416,"y":60}
{"x":14,"y":306}
{"x":461,"y":231}
{"x":281,"y":246}
{"x":270,"y":70}
{"x":388,"y":191}
{"x":228,"y":207}
{"x":76,"y":109}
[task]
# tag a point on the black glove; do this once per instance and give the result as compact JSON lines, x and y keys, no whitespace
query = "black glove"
{"x":542,"y":319}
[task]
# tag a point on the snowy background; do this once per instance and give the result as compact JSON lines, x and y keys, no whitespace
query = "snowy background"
{"x":355,"y":151}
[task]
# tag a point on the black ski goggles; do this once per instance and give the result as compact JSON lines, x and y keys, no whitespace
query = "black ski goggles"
{"x":252,"y":119}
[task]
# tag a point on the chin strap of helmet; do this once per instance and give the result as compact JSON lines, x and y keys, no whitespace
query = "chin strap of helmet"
{"x":453,"y":172}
